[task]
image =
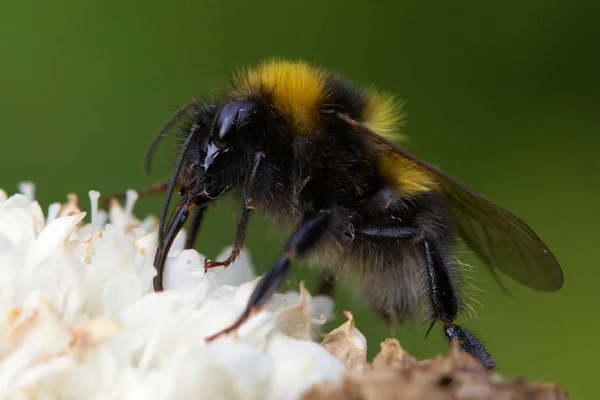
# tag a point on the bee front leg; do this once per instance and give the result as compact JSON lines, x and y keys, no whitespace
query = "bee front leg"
{"x":244,"y":217}
{"x":190,"y":241}
{"x":159,"y":187}
{"x":306,"y":238}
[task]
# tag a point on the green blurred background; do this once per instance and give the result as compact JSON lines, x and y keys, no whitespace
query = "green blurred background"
{"x":504,"y":96}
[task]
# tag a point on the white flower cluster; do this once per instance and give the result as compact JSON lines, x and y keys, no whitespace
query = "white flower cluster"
{"x":79,"y":319}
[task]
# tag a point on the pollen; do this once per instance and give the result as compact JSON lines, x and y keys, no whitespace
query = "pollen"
{"x":297,"y":90}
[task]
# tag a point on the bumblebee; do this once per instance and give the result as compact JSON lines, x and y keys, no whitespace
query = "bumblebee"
{"x":317,"y":155}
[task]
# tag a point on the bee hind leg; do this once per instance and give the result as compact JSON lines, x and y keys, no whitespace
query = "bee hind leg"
{"x":371,"y":231}
{"x":441,"y":292}
{"x":444,"y":305}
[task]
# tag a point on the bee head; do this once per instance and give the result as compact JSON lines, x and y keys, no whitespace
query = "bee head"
{"x":214,"y":159}
{"x":226,"y":134}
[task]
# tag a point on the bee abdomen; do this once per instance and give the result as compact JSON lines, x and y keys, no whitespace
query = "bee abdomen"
{"x":391,"y":276}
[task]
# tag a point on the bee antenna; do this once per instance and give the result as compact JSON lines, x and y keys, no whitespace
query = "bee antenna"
{"x":173,"y":180}
{"x":163,"y":132}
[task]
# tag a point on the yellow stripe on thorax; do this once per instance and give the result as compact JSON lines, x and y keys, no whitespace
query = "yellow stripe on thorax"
{"x":297,"y":90}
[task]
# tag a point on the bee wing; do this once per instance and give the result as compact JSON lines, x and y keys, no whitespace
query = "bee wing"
{"x":499,"y":238}
{"x":173,"y":127}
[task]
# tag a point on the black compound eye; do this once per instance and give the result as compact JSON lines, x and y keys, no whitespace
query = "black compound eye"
{"x":227,"y":122}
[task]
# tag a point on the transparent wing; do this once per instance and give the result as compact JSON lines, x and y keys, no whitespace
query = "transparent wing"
{"x":499,"y":238}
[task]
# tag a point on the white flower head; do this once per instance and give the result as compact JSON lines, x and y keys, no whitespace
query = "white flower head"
{"x":79,"y":318}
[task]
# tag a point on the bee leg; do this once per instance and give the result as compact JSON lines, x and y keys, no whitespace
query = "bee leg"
{"x":444,"y":305}
{"x":159,"y":187}
{"x":305,"y":239}
{"x":385,"y":232}
{"x":243,"y":218}
{"x":190,"y":241}
{"x":442,"y":295}
{"x":238,"y":244}
{"x":180,"y":215}
{"x":373,"y":231}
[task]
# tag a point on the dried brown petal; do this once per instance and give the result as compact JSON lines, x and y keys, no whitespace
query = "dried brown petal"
{"x":395,"y":375}
{"x":392,"y":355}
{"x":348,"y":345}
{"x":295,"y":321}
